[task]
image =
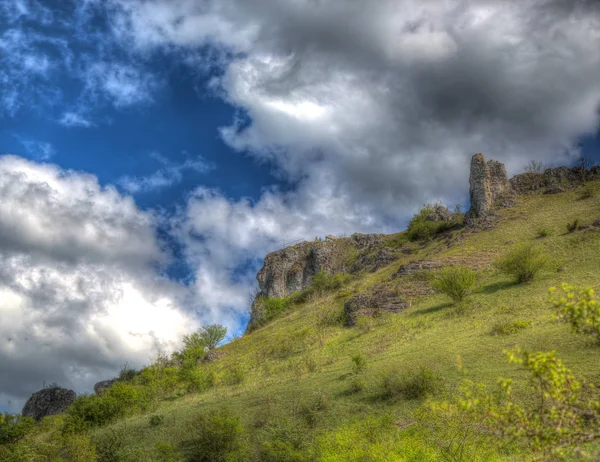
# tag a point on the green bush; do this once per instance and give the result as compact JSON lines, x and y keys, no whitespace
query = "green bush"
{"x":359,"y":364}
{"x":522,"y":263}
{"x":14,"y":427}
{"x":119,"y":400}
{"x":456,"y":281}
{"x":421,"y":228}
{"x":218,"y":435}
{"x":579,"y":308}
{"x":544,"y":232}
{"x":588,"y":191}
{"x":410,"y":386}
{"x":234,"y":375}
{"x":274,"y":306}
{"x":196,"y":379}
{"x":509,"y":327}
{"x":156,"y":420}
{"x":573,"y":226}
{"x":325,"y":282}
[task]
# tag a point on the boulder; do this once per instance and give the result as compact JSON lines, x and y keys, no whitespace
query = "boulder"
{"x":49,"y":401}
{"x":379,"y":298}
{"x":99,"y":387}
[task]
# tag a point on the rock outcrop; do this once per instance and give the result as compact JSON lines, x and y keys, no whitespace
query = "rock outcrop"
{"x":490,"y":189}
{"x":379,"y":298}
{"x":553,"y":180}
{"x":291,"y":269}
{"x":49,"y":401}
{"x":99,"y":387}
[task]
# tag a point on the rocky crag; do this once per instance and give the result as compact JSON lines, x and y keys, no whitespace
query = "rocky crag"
{"x":49,"y":401}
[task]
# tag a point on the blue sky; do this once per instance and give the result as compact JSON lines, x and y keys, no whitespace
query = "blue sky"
{"x":153,"y":151}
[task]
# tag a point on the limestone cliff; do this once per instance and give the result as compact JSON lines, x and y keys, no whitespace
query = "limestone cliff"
{"x":489,"y":187}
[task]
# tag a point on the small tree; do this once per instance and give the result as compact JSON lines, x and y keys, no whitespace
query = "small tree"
{"x":456,"y":281}
{"x":535,"y":166}
{"x":579,"y":308}
{"x":522,"y":263}
{"x":212,"y":335}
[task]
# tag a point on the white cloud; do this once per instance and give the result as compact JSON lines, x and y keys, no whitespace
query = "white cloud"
{"x":168,"y":175}
{"x":122,"y":84}
{"x":78,"y":283}
{"x":73,"y":119}
{"x":40,"y":150}
{"x":371,"y":108}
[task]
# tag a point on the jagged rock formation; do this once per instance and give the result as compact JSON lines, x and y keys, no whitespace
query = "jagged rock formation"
{"x":99,"y":387}
{"x":49,"y":401}
{"x":489,"y":187}
{"x":553,"y":180}
{"x":379,"y":298}
{"x":291,"y":269}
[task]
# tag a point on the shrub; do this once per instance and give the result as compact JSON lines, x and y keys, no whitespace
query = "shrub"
{"x":562,"y":412}
{"x":359,"y":364}
{"x":274,"y":306}
{"x":417,"y":385}
{"x":522,"y":263}
{"x":14,"y":427}
{"x":573,"y":226}
{"x":213,"y":334}
{"x":456,"y":282}
{"x":588,"y":191}
{"x":156,"y":420}
{"x":579,"y":308}
{"x":197,"y":379}
{"x":234,"y":375}
{"x":543,"y":232}
{"x":509,"y":327}
{"x":217,"y":435}
{"x":119,"y":400}
{"x":421,"y":227}
{"x":325,"y":282}
{"x":127,"y":373}
{"x":110,"y":446}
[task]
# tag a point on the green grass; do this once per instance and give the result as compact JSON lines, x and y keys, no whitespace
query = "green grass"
{"x":271,"y":381}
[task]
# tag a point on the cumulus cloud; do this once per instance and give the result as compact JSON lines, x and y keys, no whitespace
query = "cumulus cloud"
{"x":40,"y":150}
{"x":74,"y":119}
{"x":168,"y":175}
{"x":368,"y":109}
{"x":78,"y":281}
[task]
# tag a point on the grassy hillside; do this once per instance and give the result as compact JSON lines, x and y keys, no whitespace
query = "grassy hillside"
{"x":305,"y":387}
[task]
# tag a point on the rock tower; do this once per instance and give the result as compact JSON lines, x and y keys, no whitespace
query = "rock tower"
{"x":489,"y":187}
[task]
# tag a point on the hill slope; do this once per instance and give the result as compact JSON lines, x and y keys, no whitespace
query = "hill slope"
{"x":307,"y":387}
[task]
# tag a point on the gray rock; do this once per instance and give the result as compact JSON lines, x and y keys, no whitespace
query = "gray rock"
{"x":379,"y":298}
{"x":416,"y":266}
{"x":99,"y":387}
{"x":49,"y":401}
{"x":489,"y":187}
{"x":213,"y":355}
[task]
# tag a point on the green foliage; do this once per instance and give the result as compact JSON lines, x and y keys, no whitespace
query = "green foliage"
{"x":234,"y":375}
{"x":579,"y":308}
{"x":421,"y":228}
{"x":544,"y":232}
{"x":156,"y":420}
{"x":523,"y":262}
{"x":127,"y":373}
{"x":417,"y":385}
{"x":212,"y":335}
{"x":274,"y":306}
{"x":119,"y":400}
{"x":359,"y":364}
{"x":196,"y":379}
{"x":110,"y":446}
{"x":455,"y":281}
{"x":588,"y":191}
{"x":573,"y":226}
{"x":561,"y":414}
{"x":509,"y":327}
{"x":14,"y":427}
{"x":217,"y":435}
{"x":325,"y":282}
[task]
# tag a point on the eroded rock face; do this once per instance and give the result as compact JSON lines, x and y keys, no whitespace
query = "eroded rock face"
{"x":553,"y":180}
{"x":489,"y":187}
{"x":49,"y":401}
{"x":379,"y":298}
{"x":99,"y":387}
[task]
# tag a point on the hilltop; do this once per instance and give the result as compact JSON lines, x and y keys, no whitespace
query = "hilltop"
{"x":353,"y":355}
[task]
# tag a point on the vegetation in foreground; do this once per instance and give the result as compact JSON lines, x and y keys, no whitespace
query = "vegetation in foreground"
{"x":505,"y":372}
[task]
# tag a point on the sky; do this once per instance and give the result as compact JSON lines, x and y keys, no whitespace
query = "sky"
{"x":152,"y":152}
